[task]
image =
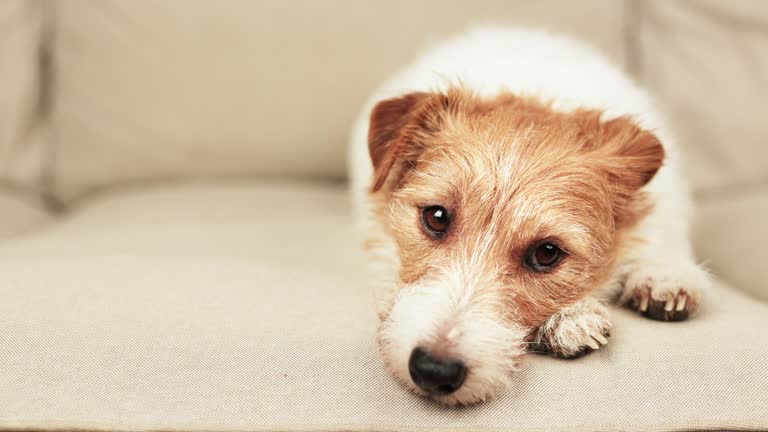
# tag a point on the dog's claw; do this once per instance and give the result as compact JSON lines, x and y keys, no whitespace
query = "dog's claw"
{"x":665,"y":294}
{"x":644,"y":298}
{"x":602,"y":339}
{"x":574,"y":331}
{"x":670,"y":304}
{"x":592,"y":344}
{"x":672,"y":307}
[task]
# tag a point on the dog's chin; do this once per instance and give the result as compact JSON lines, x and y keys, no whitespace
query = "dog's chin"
{"x":462,"y":328}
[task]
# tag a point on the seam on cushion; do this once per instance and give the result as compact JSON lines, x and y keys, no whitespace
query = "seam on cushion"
{"x":30,"y":132}
{"x":97,"y":192}
{"x":35,"y":127}
{"x":48,"y":84}
{"x":631,"y":31}
{"x":31,"y":120}
{"x":22,"y":193}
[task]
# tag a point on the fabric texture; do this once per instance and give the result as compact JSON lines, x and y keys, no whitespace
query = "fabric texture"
{"x":21,"y":155}
{"x":706,"y":62}
{"x":20,"y":214}
{"x":156,"y":90}
{"x":244,"y":306}
{"x":729,"y":232}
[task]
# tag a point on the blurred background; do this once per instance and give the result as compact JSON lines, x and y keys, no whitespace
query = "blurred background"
{"x":101,"y":94}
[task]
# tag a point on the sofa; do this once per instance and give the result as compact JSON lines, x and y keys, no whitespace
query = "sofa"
{"x":178,"y":252}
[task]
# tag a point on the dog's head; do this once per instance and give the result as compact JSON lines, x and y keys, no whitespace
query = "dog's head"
{"x":503,"y":211}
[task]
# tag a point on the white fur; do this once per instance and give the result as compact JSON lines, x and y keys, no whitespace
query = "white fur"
{"x":449,"y":312}
{"x":575,"y":328}
{"x":489,"y":60}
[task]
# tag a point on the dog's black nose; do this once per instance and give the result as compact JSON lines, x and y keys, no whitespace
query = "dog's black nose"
{"x":435,"y":375}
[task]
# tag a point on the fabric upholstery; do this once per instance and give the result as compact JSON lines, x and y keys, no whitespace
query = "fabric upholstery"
{"x":243,"y":307}
{"x":707,"y":61}
{"x":20,"y":214}
{"x":155,"y":90}
{"x":21,"y":156}
{"x":730,"y":233}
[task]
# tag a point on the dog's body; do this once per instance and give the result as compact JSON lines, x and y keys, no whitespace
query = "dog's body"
{"x":540,"y":151}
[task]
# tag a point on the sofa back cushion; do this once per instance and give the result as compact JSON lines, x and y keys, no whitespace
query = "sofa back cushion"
{"x":707,"y":63}
{"x":183,"y":88}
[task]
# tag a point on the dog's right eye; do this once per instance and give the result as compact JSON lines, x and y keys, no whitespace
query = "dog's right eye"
{"x":435,"y":220}
{"x":545,"y":256}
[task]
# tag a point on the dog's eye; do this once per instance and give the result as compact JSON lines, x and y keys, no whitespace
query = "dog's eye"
{"x":544,"y":256}
{"x":435,"y":220}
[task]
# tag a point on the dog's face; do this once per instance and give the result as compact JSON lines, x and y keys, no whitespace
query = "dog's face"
{"x":503,"y":211}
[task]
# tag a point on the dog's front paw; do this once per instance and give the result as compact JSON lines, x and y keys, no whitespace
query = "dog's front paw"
{"x":666,"y":294}
{"x":575,"y":330}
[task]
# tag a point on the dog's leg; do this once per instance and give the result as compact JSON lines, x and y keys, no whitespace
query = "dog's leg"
{"x":575,"y":330}
{"x":662,"y":279}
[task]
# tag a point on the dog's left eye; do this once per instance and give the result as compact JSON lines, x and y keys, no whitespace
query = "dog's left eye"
{"x":435,"y":220}
{"x":545,"y":256}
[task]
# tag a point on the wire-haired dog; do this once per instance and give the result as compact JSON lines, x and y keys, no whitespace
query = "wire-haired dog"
{"x":500,"y":211}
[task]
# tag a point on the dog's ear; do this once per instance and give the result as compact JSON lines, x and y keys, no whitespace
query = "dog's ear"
{"x":393,"y":124}
{"x":632,"y":156}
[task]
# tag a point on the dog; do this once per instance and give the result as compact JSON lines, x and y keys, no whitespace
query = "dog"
{"x":509,"y":183}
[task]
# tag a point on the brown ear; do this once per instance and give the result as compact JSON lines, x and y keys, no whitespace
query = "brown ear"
{"x":630,"y":157}
{"x":388,"y":133}
{"x":633,"y":156}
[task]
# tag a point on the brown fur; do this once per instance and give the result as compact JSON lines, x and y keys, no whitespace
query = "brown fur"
{"x":513,"y":172}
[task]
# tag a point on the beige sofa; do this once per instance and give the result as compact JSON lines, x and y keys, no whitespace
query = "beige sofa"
{"x":178,"y":251}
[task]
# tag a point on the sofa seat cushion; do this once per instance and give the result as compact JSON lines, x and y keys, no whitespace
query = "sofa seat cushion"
{"x":243,"y":307}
